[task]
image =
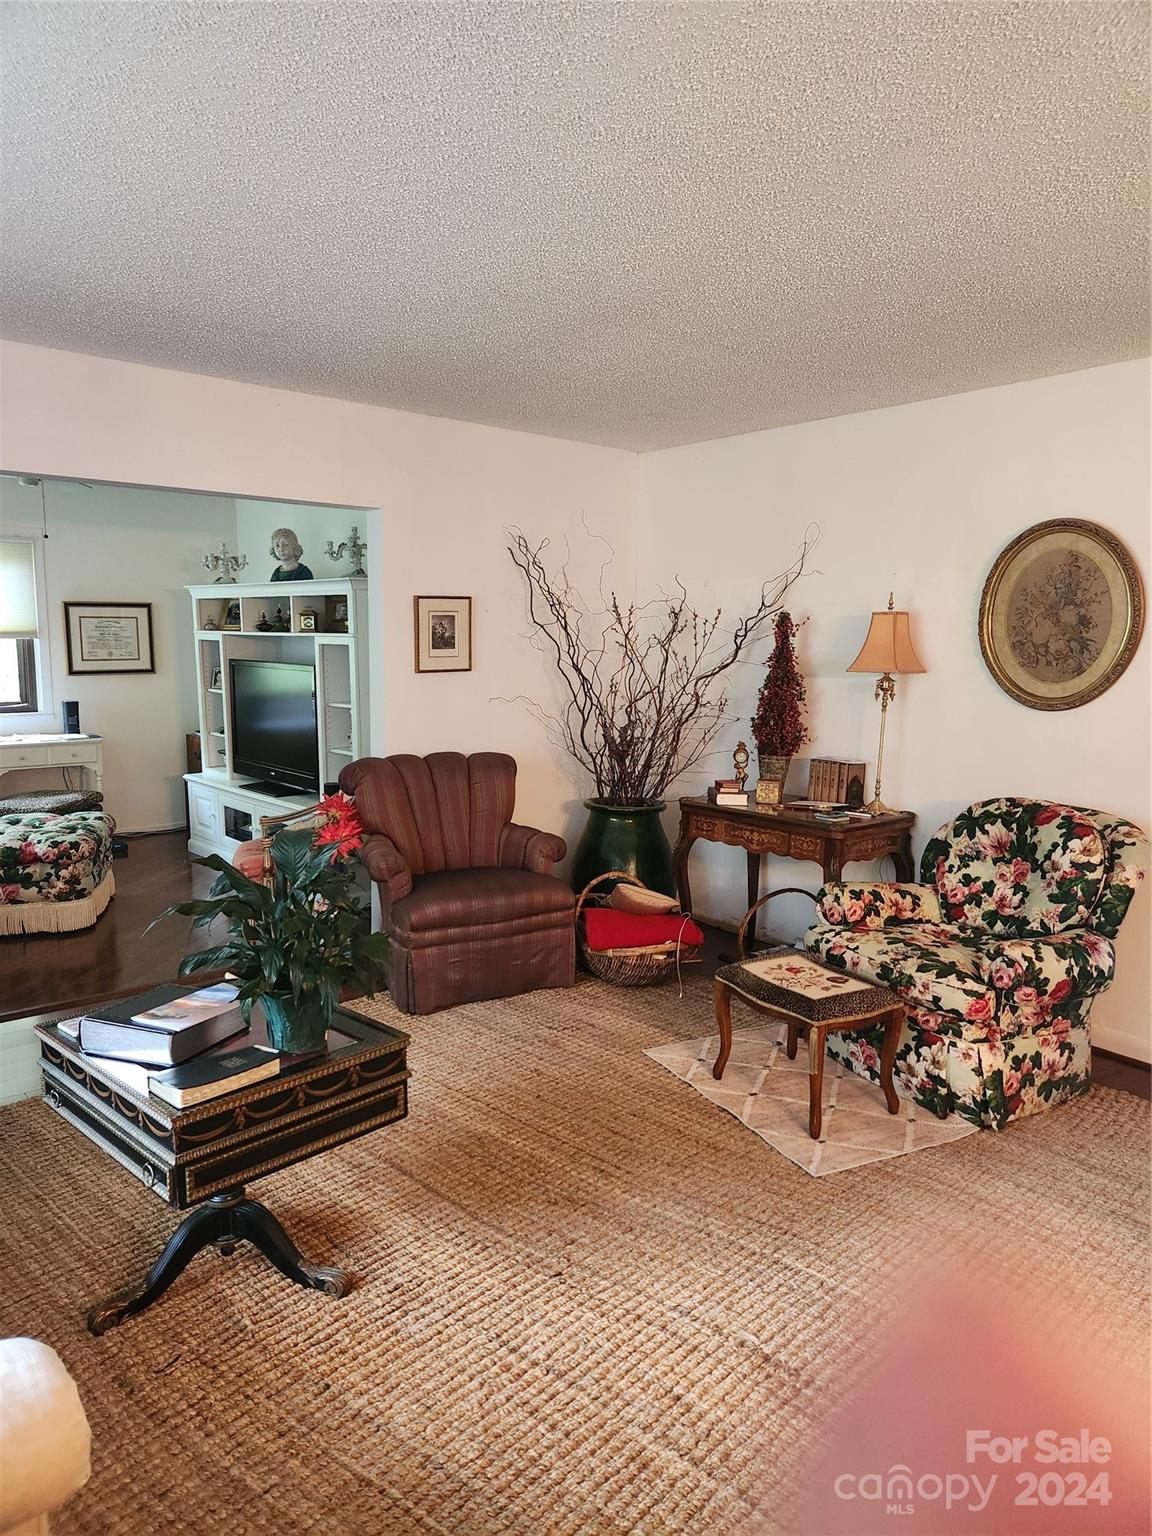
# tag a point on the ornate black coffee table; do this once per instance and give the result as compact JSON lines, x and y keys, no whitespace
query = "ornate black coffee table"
{"x":202,"y":1157}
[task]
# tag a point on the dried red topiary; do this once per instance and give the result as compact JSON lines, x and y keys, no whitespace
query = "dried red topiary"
{"x":778,"y":725}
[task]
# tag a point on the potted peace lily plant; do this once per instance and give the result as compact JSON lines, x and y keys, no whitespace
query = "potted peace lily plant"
{"x":295,"y":943}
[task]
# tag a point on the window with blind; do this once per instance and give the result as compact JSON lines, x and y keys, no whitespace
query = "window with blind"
{"x":19,"y":628}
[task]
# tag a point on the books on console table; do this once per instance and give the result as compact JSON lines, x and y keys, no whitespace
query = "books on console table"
{"x":196,"y":1081}
{"x":164,"y":1027}
{"x":193,"y":1082}
{"x":733,"y":796}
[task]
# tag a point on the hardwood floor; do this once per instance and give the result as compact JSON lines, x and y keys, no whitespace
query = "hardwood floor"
{"x":49,"y":972}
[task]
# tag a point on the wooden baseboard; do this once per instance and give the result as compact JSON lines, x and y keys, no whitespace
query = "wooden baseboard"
{"x":1128,"y":1061}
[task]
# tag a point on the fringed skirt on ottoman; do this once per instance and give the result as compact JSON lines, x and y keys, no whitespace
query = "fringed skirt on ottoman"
{"x":55,"y":871}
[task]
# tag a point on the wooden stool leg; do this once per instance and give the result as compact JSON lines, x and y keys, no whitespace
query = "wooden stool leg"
{"x":724,"y":1025}
{"x":793,"y":1041}
{"x":892,"y":1027}
{"x":815,"y":1080}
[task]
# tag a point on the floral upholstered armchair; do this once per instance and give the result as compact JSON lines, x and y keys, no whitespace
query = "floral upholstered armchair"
{"x":996,"y":955}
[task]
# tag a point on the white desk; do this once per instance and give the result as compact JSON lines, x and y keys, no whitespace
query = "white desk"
{"x":82,"y":751}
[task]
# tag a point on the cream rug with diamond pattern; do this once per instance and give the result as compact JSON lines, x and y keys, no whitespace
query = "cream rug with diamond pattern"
{"x":769,"y":1094}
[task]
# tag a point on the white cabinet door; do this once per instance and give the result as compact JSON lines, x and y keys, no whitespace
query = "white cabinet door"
{"x":202,"y":816}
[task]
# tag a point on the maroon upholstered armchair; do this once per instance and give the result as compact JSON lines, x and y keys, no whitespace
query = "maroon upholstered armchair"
{"x":467,"y":896}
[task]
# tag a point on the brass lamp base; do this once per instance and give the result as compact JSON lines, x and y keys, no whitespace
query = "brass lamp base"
{"x":876,"y":807}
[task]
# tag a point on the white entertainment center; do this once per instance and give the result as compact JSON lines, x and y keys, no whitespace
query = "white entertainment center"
{"x":222,"y":812}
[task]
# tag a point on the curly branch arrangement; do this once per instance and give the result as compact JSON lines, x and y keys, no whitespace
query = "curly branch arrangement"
{"x":643,"y":686}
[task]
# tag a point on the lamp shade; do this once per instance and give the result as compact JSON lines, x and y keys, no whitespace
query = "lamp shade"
{"x":888,"y":646}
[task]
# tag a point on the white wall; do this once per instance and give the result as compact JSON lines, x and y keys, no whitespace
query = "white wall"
{"x":444,"y":492}
{"x":921,"y":499}
{"x":110,"y":544}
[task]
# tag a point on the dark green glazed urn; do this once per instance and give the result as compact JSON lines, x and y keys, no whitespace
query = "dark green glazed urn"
{"x":296,"y":1028}
{"x":628,"y":837}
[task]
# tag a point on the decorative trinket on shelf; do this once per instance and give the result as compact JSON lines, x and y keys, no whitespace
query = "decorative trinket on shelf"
{"x":262,"y":624}
{"x":768,"y":792}
{"x":287,"y":548}
{"x":355,"y":548}
{"x":209,"y":623}
{"x":740,"y":763}
{"x":224,"y":564}
{"x":279,"y":622}
{"x":308,"y":620}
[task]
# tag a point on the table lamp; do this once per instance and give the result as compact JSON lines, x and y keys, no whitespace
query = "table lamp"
{"x":888,"y":650}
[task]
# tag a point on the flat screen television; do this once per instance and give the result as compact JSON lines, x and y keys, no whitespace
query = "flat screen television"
{"x":274,"y":724}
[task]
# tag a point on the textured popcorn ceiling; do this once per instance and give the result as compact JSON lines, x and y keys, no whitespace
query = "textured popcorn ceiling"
{"x":637,"y":224}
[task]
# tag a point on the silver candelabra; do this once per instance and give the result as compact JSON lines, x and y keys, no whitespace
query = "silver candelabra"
{"x":225,"y":565}
{"x":355,"y":548}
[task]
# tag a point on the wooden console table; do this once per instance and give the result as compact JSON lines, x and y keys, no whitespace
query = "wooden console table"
{"x":790,"y":834}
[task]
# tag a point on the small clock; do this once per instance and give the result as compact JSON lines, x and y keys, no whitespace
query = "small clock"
{"x":308,"y":619}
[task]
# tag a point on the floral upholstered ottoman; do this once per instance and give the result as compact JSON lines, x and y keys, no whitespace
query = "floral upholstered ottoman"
{"x":55,"y":871}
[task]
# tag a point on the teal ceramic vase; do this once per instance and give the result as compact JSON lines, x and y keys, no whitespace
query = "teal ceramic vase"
{"x":628,"y":837}
{"x":297,"y":1028}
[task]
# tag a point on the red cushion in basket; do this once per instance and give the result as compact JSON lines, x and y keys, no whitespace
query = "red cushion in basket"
{"x":605,"y":928}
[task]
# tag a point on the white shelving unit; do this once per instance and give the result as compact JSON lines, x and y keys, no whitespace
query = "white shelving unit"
{"x":222,"y":813}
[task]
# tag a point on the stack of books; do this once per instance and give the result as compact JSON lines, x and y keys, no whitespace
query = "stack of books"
{"x":160,"y":1042}
{"x":727,"y":792}
{"x":833,"y":782}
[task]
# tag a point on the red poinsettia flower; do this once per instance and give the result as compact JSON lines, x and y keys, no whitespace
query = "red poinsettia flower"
{"x":341,"y":828}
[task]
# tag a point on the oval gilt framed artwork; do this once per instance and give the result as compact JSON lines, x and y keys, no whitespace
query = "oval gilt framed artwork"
{"x":1061,"y":614}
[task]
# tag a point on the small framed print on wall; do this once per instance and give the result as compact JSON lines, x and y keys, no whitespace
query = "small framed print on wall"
{"x":108,"y":637}
{"x":443,"y":628}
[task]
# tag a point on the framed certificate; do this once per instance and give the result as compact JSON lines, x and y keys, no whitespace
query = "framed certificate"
{"x":109,"y":637}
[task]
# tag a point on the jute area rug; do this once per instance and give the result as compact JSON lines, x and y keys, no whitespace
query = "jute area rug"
{"x":587,"y":1302}
{"x":769,"y":1094}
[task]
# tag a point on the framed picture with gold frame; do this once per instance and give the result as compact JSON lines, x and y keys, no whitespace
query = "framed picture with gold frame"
{"x":1061,"y":614}
{"x":443,"y":633}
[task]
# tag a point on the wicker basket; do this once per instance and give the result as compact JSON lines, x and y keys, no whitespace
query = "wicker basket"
{"x":631,"y":967}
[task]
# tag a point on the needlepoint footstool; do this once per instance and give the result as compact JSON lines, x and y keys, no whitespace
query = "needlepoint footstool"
{"x":809,"y":996}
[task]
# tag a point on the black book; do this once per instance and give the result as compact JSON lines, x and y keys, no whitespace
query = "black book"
{"x":121,"y":1031}
{"x":222,"y":1072}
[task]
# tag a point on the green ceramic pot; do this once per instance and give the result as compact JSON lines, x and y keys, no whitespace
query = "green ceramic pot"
{"x":628,"y":837}
{"x":297,"y":1028}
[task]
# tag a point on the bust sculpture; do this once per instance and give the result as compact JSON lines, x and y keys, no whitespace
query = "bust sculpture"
{"x":286,"y":548}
